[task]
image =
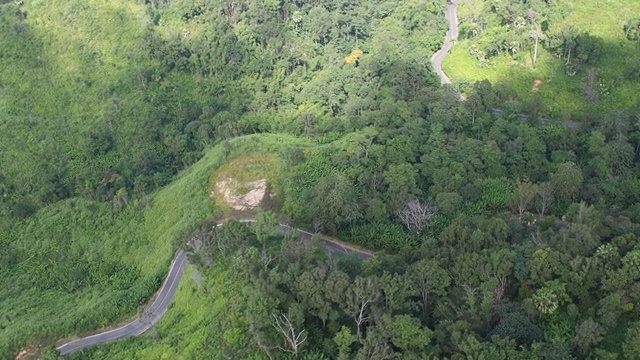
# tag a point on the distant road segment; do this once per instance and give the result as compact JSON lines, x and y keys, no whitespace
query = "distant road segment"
{"x":452,"y":34}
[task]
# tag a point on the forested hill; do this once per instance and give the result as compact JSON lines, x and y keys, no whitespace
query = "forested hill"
{"x":495,"y":237}
{"x":110,"y":99}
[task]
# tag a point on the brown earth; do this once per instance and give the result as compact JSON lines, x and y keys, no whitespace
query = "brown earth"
{"x":242,"y":196}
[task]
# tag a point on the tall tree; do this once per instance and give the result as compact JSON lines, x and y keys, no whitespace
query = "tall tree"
{"x":525,"y":192}
{"x":361,"y":296}
{"x":310,"y":290}
{"x":265,"y":226}
{"x":631,"y":344}
{"x":545,"y":197}
{"x":293,"y":338}
{"x":407,"y":333}
{"x":567,"y":180}
{"x":396,"y":290}
{"x":333,"y":203}
{"x":428,"y":279}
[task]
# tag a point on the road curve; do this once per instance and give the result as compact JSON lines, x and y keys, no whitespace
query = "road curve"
{"x":144,"y":322}
{"x":168,"y":290}
{"x":452,"y":34}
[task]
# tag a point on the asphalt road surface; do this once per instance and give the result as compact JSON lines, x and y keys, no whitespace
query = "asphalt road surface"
{"x":452,"y":33}
{"x":332,"y":246}
{"x":168,"y":291}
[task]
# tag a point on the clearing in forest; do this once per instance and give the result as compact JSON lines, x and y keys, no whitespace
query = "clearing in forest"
{"x":245,"y":182}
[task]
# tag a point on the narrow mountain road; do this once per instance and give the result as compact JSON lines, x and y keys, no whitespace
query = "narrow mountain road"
{"x":333,"y":246}
{"x":144,"y":322}
{"x":452,"y":34}
{"x":169,"y":288}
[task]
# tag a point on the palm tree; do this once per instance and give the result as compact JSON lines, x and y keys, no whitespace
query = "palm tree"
{"x":546,"y":301}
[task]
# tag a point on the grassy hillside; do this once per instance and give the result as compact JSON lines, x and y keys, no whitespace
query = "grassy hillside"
{"x":207,"y":319}
{"x":562,"y":95}
{"x":91,"y":263}
{"x":79,"y":265}
{"x":86,"y":103}
{"x":75,"y":57}
{"x":102,"y":103}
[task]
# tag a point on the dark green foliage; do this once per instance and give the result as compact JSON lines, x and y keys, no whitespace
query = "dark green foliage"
{"x":512,"y":323}
{"x":333,"y":203}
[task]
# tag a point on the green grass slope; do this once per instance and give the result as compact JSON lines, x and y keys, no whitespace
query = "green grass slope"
{"x":70,"y":58}
{"x":206,"y":320}
{"x":78,"y":265}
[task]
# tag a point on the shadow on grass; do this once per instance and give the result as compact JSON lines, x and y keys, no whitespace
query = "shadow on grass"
{"x":581,"y":92}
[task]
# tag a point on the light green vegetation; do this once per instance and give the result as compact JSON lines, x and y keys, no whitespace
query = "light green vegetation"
{"x":74,"y":58}
{"x":249,"y":167}
{"x":562,"y":96}
{"x":558,"y":95}
{"x":86,"y":108}
{"x":207,"y":316}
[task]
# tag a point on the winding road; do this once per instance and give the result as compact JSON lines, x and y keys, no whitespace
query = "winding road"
{"x":451,"y":15}
{"x":452,"y":34}
{"x":168,"y":290}
{"x":144,"y":322}
{"x":170,"y":286}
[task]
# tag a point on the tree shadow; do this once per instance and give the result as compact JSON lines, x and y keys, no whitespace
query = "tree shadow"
{"x":581,"y":89}
{"x":108,"y":115}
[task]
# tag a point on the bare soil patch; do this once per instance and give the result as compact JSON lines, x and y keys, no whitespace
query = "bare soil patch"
{"x":536,"y":85}
{"x":242,"y":195}
{"x":246,"y":183}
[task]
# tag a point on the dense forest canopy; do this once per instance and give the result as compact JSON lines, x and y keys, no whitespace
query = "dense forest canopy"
{"x":497,"y":235}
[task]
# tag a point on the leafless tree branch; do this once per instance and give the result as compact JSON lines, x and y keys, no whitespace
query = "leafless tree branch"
{"x":416,"y":215}
{"x":294,"y":339}
{"x":500,"y":289}
{"x":546,"y":197}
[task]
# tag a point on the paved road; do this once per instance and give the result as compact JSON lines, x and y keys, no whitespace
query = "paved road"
{"x":452,"y":34}
{"x":143,"y":323}
{"x":168,"y":291}
{"x":332,"y":246}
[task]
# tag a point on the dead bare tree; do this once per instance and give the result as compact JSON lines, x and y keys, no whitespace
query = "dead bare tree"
{"x":266,"y":260}
{"x":360,"y":318}
{"x":537,"y":237}
{"x":363,"y":293}
{"x":500,"y":289}
{"x":416,"y":215}
{"x":546,"y":192}
{"x":294,"y":339}
{"x":470,"y":290}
